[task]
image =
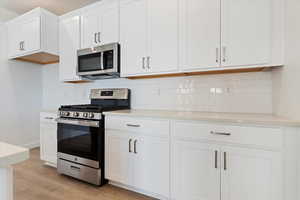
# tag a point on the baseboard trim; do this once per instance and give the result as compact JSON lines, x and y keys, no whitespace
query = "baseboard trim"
{"x":126,"y":187}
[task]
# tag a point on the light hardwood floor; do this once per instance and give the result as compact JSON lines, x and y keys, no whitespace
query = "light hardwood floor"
{"x":34,"y":181}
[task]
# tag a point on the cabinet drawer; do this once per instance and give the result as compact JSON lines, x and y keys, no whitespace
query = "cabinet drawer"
{"x":261,"y":136}
{"x":148,"y":126}
{"x":48,"y":117}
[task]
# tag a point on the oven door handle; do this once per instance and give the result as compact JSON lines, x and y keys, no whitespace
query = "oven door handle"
{"x":78,"y":122}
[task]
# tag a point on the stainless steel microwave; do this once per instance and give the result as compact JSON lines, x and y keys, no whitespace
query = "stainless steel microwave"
{"x":99,"y":62}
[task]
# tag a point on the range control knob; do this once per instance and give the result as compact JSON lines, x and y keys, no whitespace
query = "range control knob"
{"x":85,"y":115}
{"x":66,"y":114}
{"x":76,"y":114}
{"x":91,"y":115}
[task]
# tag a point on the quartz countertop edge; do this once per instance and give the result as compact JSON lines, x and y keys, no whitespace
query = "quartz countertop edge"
{"x":11,"y":154}
{"x":240,"y":118}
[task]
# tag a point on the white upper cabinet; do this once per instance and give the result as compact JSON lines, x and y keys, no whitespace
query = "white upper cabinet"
{"x":100,"y":24}
{"x":246,"y":32}
{"x":14,"y":41}
{"x":162,"y":35}
{"x":109,"y":23}
{"x":69,"y":33}
{"x":148,"y":36}
{"x":89,"y":29}
{"x":173,"y":36}
{"x":33,"y":37}
{"x":133,"y":37}
{"x":230,"y":33}
{"x":30,"y":30}
{"x":199,"y":34}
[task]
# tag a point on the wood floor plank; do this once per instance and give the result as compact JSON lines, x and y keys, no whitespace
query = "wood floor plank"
{"x":35,"y":181}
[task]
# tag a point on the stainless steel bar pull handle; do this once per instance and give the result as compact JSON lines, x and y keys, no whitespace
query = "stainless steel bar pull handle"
{"x":217,"y":55}
{"x":130,"y":146}
{"x":220,"y":133}
{"x":99,"y":37}
{"x":49,"y":118}
{"x":76,"y":122}
{"x":22,"y":45}
{"x":148,"y":62}
{"x":224,"y":54}
{"x":133,"y":125}
{"x":144,"y":62}
{"x":75,"y":168}
{"x":216,"y":159}
{"x":135,"y":151}
{"x":95,"y":38}
{"x":225,"y":161}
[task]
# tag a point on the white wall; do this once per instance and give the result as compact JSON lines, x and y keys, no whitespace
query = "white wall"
{"x":286,"y":81}
{"x":6,"y":14}
{"x":21,"y":98}
{"x":248,"y":92}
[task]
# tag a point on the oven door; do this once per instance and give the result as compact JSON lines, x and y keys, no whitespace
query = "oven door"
{"x":81,"y":138}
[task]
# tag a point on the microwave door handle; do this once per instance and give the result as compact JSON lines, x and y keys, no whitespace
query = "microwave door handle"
{"x":102,"y":61}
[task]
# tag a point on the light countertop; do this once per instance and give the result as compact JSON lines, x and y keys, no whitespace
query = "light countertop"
{"x":242,"y":118}
{"x":50,"y":111}
{"x":11,"y":154}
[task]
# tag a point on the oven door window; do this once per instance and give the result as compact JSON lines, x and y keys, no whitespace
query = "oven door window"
{"x":90,"y":62}
{"x":81,"y":141}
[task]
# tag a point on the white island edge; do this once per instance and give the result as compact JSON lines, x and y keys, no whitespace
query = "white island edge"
{"x":9,"y":155}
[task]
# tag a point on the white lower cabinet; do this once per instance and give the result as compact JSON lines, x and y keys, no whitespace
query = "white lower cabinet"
{"x":151,"y":172}
{"x":138,"y":160}
{"x":205,"y":172}
{"x":250,"y":174}
{"x":117,"y":157}
{"x":187,"y":160}
{"x":196,"y":175}
{"x":213,"y":162}
{"x":48,"y":138}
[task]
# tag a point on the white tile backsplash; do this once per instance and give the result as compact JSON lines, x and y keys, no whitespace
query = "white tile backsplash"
{"x":246,"y":92}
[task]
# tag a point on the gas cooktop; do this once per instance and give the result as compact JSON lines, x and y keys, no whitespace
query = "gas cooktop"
{"x":101,"y":100}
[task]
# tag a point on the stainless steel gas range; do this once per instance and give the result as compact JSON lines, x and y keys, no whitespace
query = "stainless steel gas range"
{"x":81,"y":135}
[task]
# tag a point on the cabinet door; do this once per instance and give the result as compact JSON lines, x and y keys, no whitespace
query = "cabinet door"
{"x":14,"y":41}
{"x":109,"y":23}
{"x":118,"y":165}
{"x":90,"y":28}
{"x":246,"y":32}
{"x":48,"y":137}
{"x":199,"y":34}
{"x":152,"y":165}
{"x":195,"y":171}
{"x":251,"y":175}
{"x":68,"y":45}
{"x":133,"y":36}
{"x":31,"y":32}
{"x":162,"y":35}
